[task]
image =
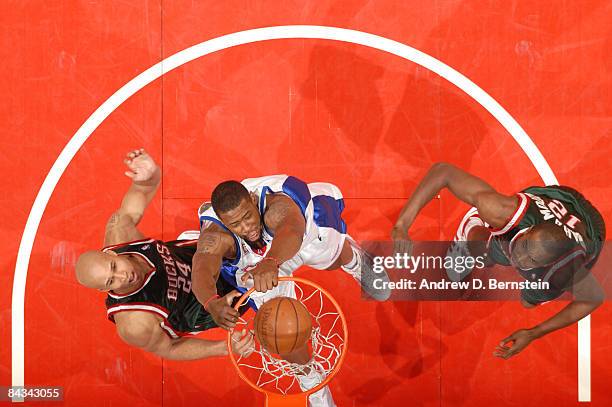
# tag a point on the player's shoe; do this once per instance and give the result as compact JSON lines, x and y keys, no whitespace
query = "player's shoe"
{"x":189,"y":235}
{"x":363,"y":272}
{"x":459,"y":246}
{"x":321,"y":398}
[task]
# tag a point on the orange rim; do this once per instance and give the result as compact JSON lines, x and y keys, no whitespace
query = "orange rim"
{"x":331,"y":374}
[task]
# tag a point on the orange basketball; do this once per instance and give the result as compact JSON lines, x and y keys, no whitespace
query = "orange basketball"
{"x":282,"y":325}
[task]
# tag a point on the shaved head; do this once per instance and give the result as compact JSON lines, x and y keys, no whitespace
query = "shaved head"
{"x":552,"y":240}
{"x":109,"y":271}
{"x":90,"y":268}
{"x":541,"y":246}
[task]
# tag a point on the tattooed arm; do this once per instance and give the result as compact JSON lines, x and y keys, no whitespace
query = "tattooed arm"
{"x":284,"y":218}
{"x":214,"y":244}
{"x":146,"y":177}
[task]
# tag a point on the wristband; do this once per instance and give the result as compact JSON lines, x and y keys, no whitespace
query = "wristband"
{"x":214,"y":297}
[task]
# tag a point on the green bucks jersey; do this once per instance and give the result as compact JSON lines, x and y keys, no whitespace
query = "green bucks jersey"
{"x":564,"y":207}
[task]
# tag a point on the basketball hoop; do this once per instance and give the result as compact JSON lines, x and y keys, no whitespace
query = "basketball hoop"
{"x":278,"y":378}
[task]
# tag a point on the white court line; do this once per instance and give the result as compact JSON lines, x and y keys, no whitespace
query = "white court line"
{"x":231,"y":40}
{"x":584,"y":359}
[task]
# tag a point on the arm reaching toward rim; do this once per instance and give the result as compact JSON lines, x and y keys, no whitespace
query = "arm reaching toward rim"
{"x":588,"y":295}
{"x":146,"y":177}
{"x":493,"y":207}
{"x":143,"y":330}
{"x":213,"y":245}
{"x":284,"y":218}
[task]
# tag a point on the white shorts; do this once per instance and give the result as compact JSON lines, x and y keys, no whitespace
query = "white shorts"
{"x":319,"y":254}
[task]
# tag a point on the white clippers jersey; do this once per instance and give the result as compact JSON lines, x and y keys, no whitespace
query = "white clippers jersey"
{"x":320,"y":203}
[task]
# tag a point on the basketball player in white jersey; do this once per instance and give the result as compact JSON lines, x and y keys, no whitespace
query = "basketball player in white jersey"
{"x":260,"y":229}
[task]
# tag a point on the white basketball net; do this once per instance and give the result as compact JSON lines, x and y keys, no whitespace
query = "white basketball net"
{"x":327,"y":342}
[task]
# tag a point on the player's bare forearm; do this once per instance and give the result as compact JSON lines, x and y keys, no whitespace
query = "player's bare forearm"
{"x":146,"y":177}
{"x":519,"y":340}
{"x":588,"y":295}
{"x":440,"y":176}
{"x":204,"y":274}
{"x":213,"y":246}
{"x":193,"y":349}
{"x":572,"y":313}
{"x":494,"y":208}
{"x":139,"y":196}
{"x":285,"y":219}
{"x":426,"y":190}
{"x":287,"y":242}
{"x":242,"y":343}
{"x":143,"y":330}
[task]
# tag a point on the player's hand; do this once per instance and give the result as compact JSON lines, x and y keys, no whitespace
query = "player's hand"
{"x":222,"y":312}
{"x":401,"y":242}
{"x":141,"y":166}
{"x":243,"y":342}
{"x":520,"y":339}
{"x":264,"y":274}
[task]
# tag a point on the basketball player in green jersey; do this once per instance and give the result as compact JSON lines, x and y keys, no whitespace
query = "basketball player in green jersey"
{"x":548,"y":233}
{"x":148,"y":282}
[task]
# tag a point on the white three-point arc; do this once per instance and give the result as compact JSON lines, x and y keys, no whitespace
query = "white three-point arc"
{"x":246,"y":37}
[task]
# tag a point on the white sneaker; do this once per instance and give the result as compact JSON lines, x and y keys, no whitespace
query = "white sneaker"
{"x":189,"y":235}
{"x":321,"y":398}
{"x":364,"y":273}
{"x":458,"y":249}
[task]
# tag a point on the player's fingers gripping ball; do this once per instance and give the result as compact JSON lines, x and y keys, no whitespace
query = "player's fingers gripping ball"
{"x":283,"y":325}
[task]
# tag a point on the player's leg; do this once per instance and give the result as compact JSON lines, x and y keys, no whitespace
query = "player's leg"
{"x":345,"y":258}
{"x":333,"y":248}
{"x":469,"y":241}
{"x":336,"y":250}
{"x":320,"y":398}
{"x":310,"y":378}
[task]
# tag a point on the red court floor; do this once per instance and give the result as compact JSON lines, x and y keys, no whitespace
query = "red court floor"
{"x":322,"y":110}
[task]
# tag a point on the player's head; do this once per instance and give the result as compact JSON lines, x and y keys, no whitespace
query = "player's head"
{"x":106,"y":271}
{"x":237,"y":209}
{"x":540,"y":246}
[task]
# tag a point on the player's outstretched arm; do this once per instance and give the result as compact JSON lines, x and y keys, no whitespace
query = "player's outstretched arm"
{"x":142,"y":330}
{"x":213,"y":245}
{"x":284,"y":218}
{"x":588,"y":295}
{"x":146,"y":177}
{"x":494,"y":208}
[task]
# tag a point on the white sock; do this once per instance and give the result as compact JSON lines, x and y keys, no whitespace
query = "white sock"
{"x":321,"y":398}
{"x":353,"y":265}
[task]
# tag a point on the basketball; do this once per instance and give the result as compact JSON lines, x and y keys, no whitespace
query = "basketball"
{"x":282,"y":325}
